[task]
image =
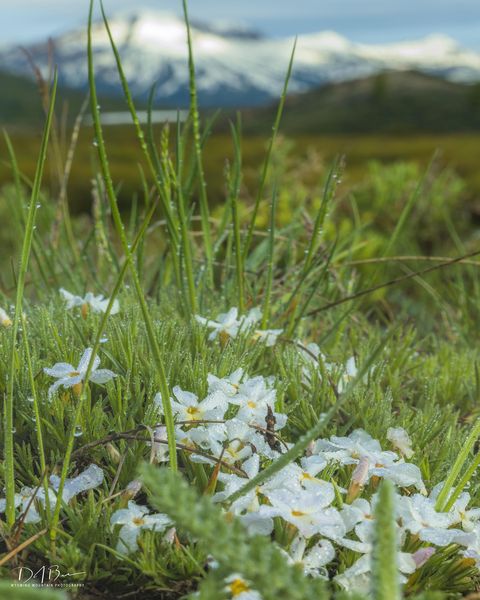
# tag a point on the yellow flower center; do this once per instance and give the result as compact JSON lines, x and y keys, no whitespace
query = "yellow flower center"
{"x":193,"y":412}
{"x":138,"y":521}
{"x":84,"y":310}
{"x":251,"y":404}
{"x":238,"y":586}
{"x":298,"y":513}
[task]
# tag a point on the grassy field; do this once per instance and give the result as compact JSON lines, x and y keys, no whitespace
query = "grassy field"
{"x":456,"y":152}
{"x":259,"y":380}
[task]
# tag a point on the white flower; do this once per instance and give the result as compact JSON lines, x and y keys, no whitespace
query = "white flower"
{"x":160,"y":450}
{"x":233,"y":483}
{"x":349,"y":450}
{"x":246,"y":508}
{"x":71,"y":377}
{"x":134,"y":519}
{"x":187,"y":407}
{"x":357,"y":578}
{"x":5,"y":320}
{"x":473,"y":546}
{"x":239,"y":589}
{"x":400,"y":440}
{"x":313,"y":356}
{"x":227,"y":385}
{"x":232,"y":440}
{"x":91,"y":478}
{"x":295,"y":478}
{"x":255,"y":397}
{"x":267,"y":336}
{"x":418,"y":515}
{"x":209,"y":438}
{"x":349,"y":372}
{"x":229,"y":324}
{"x":24,"y":500}
{"x":359,"y":445}
{"x":98,"y":304}
{"x":226,"y":323}
{"x":459,"y":512}
{"x":314,"y":560}
{"x":401,"y":474}
{"x":307,"y":511}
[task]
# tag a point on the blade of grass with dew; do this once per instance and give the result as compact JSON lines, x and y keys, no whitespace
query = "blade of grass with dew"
{"x":457,"y":467}
{"x":266,"y":164}
{"x":385,"y":580}
{"x":392,"y":282}
{"x":204,"y":210}
{"x":102,"y":154}
{"x":328,"y":194}
{"x":38,"y":251}
{"x":234,"y":194}
{"x":298,"y":315}
{"x":184,"y":231}
{"x":205,"y":133}
{"x":36,"y":408}
{"x":271,"y":251}
{"x":64,"y":211}
{"x":172,"y":226}
{"x":461,"y":485}
{"x":302,"y":444}
{"x":150,"y":133}
{"x":25,"y":256}
{"x":83,"y":395}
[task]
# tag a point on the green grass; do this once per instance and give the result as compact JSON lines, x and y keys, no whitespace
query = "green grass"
{"x":322,"y":245}
{"x":309,"y":156}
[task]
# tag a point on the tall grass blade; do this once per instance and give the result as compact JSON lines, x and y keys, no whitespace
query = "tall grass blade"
{"x":385,"y":580}
{"x":102,"y":154}
{"x":24,"y":261}
{"x":271,"y":250}
{"x":268,"y":156}
{"x":234,"y":195}
{"x":204,"y":210}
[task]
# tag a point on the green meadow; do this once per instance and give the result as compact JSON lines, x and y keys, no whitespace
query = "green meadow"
{"x":235,"y":367}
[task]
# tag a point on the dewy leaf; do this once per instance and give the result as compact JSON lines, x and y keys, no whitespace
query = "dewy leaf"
{"x":385,"y":579}
{"x":259,"y":561}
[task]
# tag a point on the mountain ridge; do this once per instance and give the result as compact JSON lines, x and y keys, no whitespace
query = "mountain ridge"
{"x":235,"y":66}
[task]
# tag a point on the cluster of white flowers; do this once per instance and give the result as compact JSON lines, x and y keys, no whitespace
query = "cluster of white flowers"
{"x":89,"y":479}
{"x":251,"y":428}
{"x":237,"y":424}
{"x":230,"y":324}
{"x":97,"y":304}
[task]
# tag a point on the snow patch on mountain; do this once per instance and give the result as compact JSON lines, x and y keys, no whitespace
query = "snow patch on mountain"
{"x":234,"y":65}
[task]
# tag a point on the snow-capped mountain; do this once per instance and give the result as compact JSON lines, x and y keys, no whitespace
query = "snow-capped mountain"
{"x":234,"y":65}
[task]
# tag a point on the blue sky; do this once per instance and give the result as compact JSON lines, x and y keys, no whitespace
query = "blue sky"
{"x":360,"y":20}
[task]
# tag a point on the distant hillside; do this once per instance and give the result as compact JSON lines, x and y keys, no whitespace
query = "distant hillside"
{"x":21,"y":103}
{"x":391,"y":102}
